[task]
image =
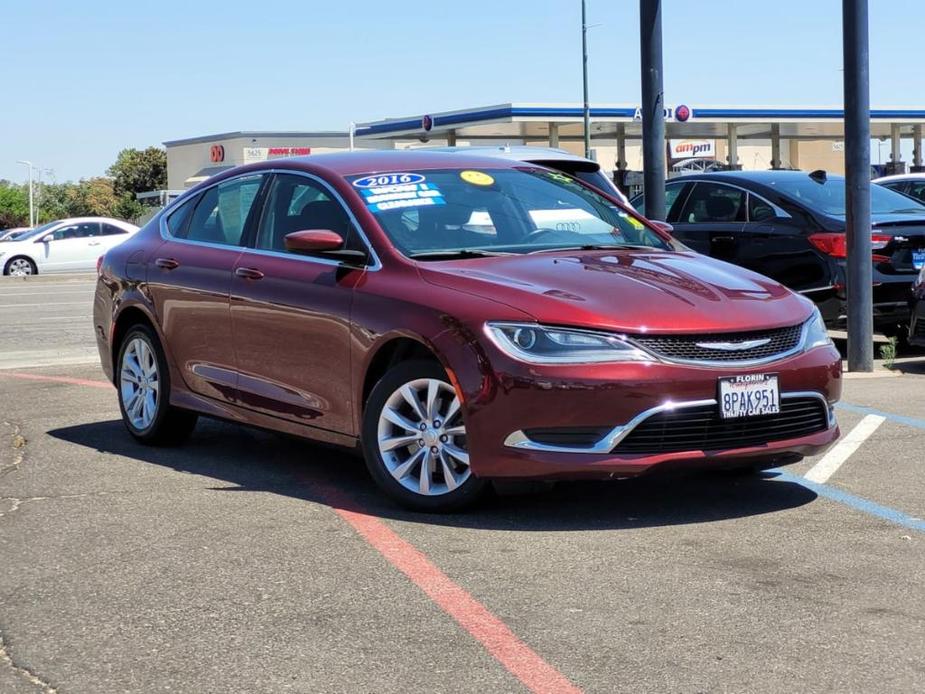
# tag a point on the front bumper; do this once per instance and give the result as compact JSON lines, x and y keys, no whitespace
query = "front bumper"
{"x":504,"y":398}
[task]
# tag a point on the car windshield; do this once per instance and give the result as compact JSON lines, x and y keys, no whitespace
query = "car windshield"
{"x":828,"y":196}
{"x":38,"y":231}
{"x":467,"y":213}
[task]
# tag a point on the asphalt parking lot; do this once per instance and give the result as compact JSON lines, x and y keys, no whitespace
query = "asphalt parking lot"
{"x":250,"y":562}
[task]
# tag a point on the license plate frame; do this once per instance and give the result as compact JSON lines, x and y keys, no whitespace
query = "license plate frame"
{"x":748,"y":395}
{"x":918,"y":259}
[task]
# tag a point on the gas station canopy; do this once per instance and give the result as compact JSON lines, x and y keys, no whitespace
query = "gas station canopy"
{"x":556,"y":122}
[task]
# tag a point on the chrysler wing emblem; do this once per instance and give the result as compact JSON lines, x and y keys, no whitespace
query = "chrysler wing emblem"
{"x":734,"y":346}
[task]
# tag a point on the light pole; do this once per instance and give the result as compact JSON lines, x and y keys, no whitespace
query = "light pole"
{"x":584,"y":77}
{"x":31,"y":207}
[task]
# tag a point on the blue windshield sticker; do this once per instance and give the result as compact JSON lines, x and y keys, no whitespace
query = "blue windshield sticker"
{"x":389,"y":179}
{"x":391,"y":197}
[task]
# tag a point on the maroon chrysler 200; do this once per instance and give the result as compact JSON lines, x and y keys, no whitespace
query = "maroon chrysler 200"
{"x":460,"y":319}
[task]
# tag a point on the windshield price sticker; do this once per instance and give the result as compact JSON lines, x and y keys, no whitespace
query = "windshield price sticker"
{"x":390,"y":179}
{"x":391,"y":197}
{"x":748,"y":396}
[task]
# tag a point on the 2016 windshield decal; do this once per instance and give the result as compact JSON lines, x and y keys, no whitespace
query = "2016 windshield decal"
{"x":390,"y":179}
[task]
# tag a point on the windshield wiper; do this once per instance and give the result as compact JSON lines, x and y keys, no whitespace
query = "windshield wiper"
{"x":456,"y":253}
{"x":600,"y":247}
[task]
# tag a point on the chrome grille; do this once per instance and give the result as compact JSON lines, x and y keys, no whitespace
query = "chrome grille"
{"x":701,"y":428}
{"x":690,"y":347}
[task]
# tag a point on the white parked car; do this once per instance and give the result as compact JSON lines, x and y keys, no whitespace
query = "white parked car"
{"x":911,"y":185}
{"x":67,"y":245}
{"x":11,"y":234}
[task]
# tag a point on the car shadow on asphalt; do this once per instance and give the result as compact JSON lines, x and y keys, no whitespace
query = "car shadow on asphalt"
{"x":258,"y":461}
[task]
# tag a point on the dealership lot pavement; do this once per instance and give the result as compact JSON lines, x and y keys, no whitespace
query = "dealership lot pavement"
{"x":250,"y":562}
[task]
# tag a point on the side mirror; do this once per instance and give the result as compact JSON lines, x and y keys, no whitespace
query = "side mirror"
{"x":48,"y":238}
{"x":662,"y":226}
{"x":326,"y":242}
{"x":313,"y":241}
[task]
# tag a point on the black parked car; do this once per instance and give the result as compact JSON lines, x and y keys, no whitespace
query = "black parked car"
{"x":790,"y":226}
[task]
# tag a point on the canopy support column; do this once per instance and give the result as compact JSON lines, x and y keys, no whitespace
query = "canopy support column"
{"x":450,"y":138}
{"x":553,"y":134}
{"x":733,"y":147}
{"x":917,"y":149}
{"x":775,"y":146}
{"x":621,"y":147}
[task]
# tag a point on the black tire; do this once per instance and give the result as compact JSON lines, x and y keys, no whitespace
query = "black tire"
{"x":466,"y":494}
{"x":170,"y":425}
{"x":6,"y":267}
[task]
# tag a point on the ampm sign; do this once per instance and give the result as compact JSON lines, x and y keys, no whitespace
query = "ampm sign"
{"x":693,"y":149}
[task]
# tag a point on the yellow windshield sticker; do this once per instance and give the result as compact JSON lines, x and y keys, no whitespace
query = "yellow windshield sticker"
{"x":636,"y":224}
{"x":560,"y":177}
{"x":476,"y":178}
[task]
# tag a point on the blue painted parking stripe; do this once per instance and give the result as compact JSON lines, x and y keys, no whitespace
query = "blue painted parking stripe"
{"x":901,"y":419}
{"x":856,"y":502}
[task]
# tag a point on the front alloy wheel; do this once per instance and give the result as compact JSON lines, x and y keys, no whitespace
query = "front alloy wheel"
{"x":422,"y":437}
{"x":415,"y":439}
{"x":20,"y":267}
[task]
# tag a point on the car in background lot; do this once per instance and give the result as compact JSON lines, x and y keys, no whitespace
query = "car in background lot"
{"x":790,"y":226}
{"x":917,"y":311}
{"x":912,"y":185}
{"x":13,"y":234}
{"x":341,"y":297}
{"x":66,"y":245}
{"x":586,"y":170}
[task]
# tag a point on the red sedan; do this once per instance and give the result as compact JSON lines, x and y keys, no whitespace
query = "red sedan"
{"x":459,"y":319}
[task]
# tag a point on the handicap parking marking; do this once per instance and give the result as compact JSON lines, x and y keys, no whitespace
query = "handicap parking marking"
{"x":898,"y":418}
{"x":856,"y":502}
{"x":831,"y":461}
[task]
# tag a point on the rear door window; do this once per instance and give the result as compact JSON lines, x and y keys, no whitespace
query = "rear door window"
{"x":222,"y":212}
{"x":713,"y":202}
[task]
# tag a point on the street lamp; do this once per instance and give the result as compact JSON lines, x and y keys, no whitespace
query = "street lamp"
{"x":584,"y":76}
{"x":31,"y":207}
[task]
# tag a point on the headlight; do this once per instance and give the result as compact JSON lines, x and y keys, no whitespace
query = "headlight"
{"x":815,"y":332}
{"x":544,"y":345}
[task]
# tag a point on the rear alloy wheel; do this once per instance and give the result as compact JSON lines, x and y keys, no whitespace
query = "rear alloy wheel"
{"x":143,"y":382}
{"x":414,"y":439}
{"x":20,"y":267}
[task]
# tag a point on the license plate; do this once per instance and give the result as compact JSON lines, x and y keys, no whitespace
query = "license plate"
{"x":918,"y":259}
{"x":748,"y":396}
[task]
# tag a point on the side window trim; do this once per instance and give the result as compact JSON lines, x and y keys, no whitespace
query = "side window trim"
{"x":196,"y":199}
{"x":680,"y":201}
{"x":355,"y":228}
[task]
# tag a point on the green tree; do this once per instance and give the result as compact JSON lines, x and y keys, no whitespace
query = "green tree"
{"x":14,"y":205}
{"x":139,"y":171}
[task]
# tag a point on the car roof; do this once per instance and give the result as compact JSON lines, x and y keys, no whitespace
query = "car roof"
{"x":900,"y":177}
{"x":526,"y":153}
{"x":376,"y":161}
{"x":768,"y":178}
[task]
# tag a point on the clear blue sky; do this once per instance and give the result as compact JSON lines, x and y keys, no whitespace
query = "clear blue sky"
{"x":84,"y":79}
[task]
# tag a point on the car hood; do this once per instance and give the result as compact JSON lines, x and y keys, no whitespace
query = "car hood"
{"x":632,"y":291}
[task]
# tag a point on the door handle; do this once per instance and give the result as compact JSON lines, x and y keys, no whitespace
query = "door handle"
{"x":722,"y":239}
{"x":167,"y":263}
{"x":248,"y":273}
{"x":94,"y":243}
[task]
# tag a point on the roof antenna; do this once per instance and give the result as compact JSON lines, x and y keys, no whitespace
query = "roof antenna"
{"x":818,"y":175}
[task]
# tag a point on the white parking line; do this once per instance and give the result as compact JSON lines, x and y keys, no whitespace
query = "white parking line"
{"x":49,"y":303}
{"x":831,"y":461}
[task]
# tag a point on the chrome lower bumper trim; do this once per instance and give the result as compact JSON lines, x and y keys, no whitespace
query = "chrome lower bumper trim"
{"x":518,"y":439}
